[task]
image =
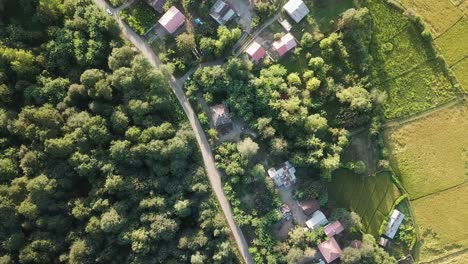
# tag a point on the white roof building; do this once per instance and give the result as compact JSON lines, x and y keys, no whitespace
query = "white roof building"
{"x":285,"y":176}
{"x":222,"y":12}
{"x":318,"y":219}
{"x":296,"y":9}
{"x":394,"y":223}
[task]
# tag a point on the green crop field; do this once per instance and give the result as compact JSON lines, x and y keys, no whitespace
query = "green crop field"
{"x":388,"y":19}
{"x":140,"y":17}
{"x":461,"y":69}
{"x":425,"y":87}
{"x":371,"y":197}
{"x":431,"y":152}
{"x":442,"y":221}
{"x":454,"y":43}
{"x":440,"y":15}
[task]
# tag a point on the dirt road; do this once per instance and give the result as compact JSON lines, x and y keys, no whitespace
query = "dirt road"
{"x":213,"y":174}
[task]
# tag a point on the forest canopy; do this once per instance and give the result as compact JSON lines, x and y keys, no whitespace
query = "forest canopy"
{"x":97,"y":162}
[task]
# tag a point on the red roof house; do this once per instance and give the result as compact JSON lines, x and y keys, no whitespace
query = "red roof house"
{"x":330,"y":250}
{"x":333,"y":229}
{"x":284,"y":44}
{"x":172,"y":19}
{"x":256,"y":51}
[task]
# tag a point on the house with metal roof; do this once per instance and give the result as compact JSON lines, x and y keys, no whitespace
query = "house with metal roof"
{"x":334,"y":228}
{"x":309,"y":206}
{"x":284,"y":176}
{"x":256,"y":51}
{"x":222,"y":12}
{"x":330,"y":250}
{"x":284,"y":44}
{"x":172,"y":19}
{"x":394,"y":223}
{"x":317,"y":219}
{"x":296,"y":9}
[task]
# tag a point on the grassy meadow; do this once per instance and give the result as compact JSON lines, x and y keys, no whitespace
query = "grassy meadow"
{"x":430,"y":153}
{"x":453,"y":44}
{"x":440,"y":15}
{"x":442,"y":222}
{"x":461,"y":69}
{"x":370,"y":197}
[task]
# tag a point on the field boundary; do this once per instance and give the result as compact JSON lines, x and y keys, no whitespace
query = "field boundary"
{"x":449,"y":28}
{"x":440,"y":191}
{"x":407,"y":119}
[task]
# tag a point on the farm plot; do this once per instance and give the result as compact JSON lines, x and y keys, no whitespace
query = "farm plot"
{"x":440,"y":15}
{"x":461,"y":69}
{"x":423,"y":88}
{"x":431,"y":153}
{"x":453,"y":44}
{"x":370,"y":197}
{"x":389,"y":20}
{"x":442,"y":222}
{"x":140,"y":17}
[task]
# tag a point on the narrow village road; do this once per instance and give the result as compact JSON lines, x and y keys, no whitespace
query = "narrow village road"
{"x":213,"y":174}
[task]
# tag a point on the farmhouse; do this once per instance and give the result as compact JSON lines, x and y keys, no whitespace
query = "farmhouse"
{"x":157,"y":5}
{"x":394,"y":223}
{"x":330,"y":250}
{"x":222,"y":12}
{"x":172,"y":19}
{"x":285,"y":176}
{"x":220,"y":118}
{"x":256,"y":51}
{"x":284,"y":44}
{"x":296,"y":9}
{"x":318,"y":219}
{"x":334,"y":228}
{"x":309,"y":206}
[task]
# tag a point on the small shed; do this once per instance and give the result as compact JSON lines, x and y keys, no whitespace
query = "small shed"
{"x":330,"y":250}
{"x":318,"y":219}
{"x":172,"y":19}
{"x":334,"y":228}
{"x":284,"y":44}
{"x":222,"y":12}
{"x":296,"y":9}
{"x":309,"y":206}
{"x":256,"y":51}
{"x":286,"y":25}
{"x":157,"y":5}
{"x":383,"y":242}
{"x":394,"y":223}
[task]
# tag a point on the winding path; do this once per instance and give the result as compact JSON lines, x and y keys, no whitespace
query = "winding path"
{"x":213,"y":174}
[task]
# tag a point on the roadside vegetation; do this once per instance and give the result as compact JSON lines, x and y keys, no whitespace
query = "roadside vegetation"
{"x":97,"y":160}
{"x":140,"y":17}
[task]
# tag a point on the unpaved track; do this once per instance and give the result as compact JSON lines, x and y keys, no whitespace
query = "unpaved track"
{"x":213,"y":174}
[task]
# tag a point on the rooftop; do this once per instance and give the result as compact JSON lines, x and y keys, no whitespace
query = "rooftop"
{"x":256,"y":51}
{"x":296,"y":9}
{"x":309,"y":206}
{"x":333,"y":229}
{"x":394,"y":223}
{"x":220,"y":115}
{"x":157,"y":5}
{"x":317,"y":219}
{"x":284,"y":44}
{"x":172,"y":19}
{"x":222,"y":12}
{"x":330,"y":250}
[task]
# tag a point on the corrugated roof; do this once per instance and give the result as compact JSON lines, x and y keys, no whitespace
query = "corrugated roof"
{"x":284,"y":44}
{"x":296,"y":9}
{"x":256,"y":51}
{"x":333,"y":229}
{"x":330,"y":250}
{"x":172,"y":19}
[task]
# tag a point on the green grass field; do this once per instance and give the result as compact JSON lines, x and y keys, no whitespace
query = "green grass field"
{"x":442,"y":219}
{"x":431,"y":153}
{"x":425,"y":87}
{"x":440,"y":15}
{"x":140,"y":17}
{"x":388,"y":19}
{"x":454,"y":43}
{"x":371,"y":197}
{"x":461,"y":69}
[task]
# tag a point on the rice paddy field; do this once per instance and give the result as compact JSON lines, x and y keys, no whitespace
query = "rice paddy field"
{"x":461,"y":69}
{"x":431,"y":157}
{"x":440,"y":15}
{"x":453,"y":44}
{"x":420,"y":89}
{"x":415,"y":81}
{"x":370,"y":197}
